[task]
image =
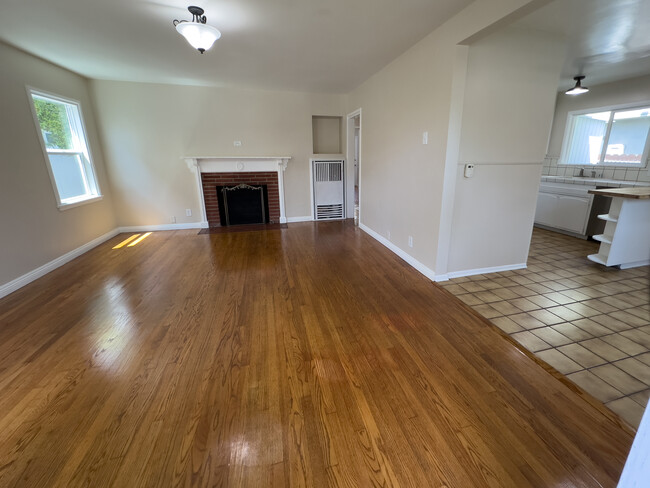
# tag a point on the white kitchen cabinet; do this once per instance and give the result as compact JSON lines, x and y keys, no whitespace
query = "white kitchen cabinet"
{"x":564,"y":207}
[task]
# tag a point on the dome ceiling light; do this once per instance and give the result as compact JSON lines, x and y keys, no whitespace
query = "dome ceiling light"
{"x":200,"y":35}
{"x":578,"y":89}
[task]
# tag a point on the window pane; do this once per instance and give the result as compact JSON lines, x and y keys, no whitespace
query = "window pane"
{"x":55,"y":126}
{"x":628,"y":136}
{"x":586,"y":142}
{"x":68,"y":175}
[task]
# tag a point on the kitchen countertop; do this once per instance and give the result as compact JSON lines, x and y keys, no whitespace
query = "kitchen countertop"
{"x":577,"y":180}
{"x":637,"y":193}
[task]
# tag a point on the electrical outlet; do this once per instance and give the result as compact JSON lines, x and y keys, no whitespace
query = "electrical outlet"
{"x":188,"y":212}
{"x":410,"y":241}
{"x":388,"y":233}
{"x":425,"y":137}
{"x":237,"y":143}
{"x":173,"y":219}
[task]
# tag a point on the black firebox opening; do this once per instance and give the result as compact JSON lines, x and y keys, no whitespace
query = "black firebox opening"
{"x":243,"y":204}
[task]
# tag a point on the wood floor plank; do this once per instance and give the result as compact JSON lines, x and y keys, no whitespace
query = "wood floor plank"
{"x":306,"y":356}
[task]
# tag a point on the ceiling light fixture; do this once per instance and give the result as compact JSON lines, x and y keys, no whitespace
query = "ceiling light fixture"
{"x":578,"y":89}
{"x":200,"y":35}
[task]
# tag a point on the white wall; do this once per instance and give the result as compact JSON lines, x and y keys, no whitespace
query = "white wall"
{"x":148,"y":128}
{"x":405,"y":183}
{"x":512,"y":79}
{"x":34,"y":231}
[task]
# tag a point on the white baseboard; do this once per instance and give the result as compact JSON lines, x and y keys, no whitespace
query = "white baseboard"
{"x":428,"y":272}
{"x":494,"y":269}
{"x":153,"y":228}
{"x":306,"y":218}
{"x":27,"y":278}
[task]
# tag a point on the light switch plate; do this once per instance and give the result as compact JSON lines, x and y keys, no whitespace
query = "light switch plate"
{"x":469,"y":170}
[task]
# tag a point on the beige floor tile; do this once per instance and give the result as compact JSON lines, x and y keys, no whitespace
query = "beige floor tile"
{"x":611,"y":323}
{"x":644,"y":358}
{"x":559,"y":298}
{"x":488,"y":284}
{"x":551,"y":336}
{"x":636,"y":368}
{"x":559,"y":361}
{"x":602,"y":307}
{"x":505,"y":293}
{"x":471,"y":287}
{"x":506,"y":324}
{"x":624,"y":344}
{"x":615,"y":302}
{"x":530,"y":341}
{"x":453,"y":289}
{"x":581,"y":355}
{"x":506,"y":308}
{"x":628,"y":318}
{"x":604,"y":349}
{"x":571,"y":331}
{"x":590,"y":292}
{"x":639,"y":312}
{"x":642,"y":397}
{"x":541,"y":301}
{"x":526,"y":321}
{"x":539,"y":288}
{"x":628,"y":409}
{"x":504,"y":281}
{"x":618,"y":378}
{"x":638,"y":336}
{"x":487,"y":311}
{"x":555,"y":286}
{"x":594,"y":328}
{"x":576,"y":295}
{"x":595,"y":386}
{"x":521,"y":280}
{"x":487,"y":296}
{"x":565,"y":313}
{"x":524,"y":304}
{"x":522,"y":291}
{"x":470,"y":299}
{"x":582,"y":309}
{"x":546,"y":317}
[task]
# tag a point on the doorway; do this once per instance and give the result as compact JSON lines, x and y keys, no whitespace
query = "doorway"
{"x":354,"y":157}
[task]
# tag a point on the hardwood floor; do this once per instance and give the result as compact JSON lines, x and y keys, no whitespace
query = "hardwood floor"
{"x":307,"y":356}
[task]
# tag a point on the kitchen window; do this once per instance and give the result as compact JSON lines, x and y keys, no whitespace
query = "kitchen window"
{"x":63,"y":137}
{"x":613,"y":137}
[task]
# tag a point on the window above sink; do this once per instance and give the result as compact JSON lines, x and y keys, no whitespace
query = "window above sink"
{"x":610,"y":136}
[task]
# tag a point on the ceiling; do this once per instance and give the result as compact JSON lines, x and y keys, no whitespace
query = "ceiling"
{"x":300,"y":45}
{"x":304,"y":45}
{"x":607,"y":40}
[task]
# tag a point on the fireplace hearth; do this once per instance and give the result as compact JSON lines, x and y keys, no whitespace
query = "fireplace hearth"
{"x":243,"y":204}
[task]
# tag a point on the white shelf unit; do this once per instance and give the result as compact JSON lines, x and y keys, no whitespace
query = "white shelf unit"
{"x":626,"y":239}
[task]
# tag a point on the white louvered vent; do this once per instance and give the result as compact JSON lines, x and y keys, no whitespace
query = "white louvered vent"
{"x":328,"y":189}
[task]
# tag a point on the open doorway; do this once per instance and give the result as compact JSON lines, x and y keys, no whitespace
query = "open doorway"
{"x":354,"y":164}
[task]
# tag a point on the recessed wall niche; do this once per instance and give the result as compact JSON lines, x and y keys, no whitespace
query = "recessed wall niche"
{"x":326,"y":134}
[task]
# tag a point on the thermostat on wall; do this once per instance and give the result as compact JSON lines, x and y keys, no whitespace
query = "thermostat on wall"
{"x":469,"y":170}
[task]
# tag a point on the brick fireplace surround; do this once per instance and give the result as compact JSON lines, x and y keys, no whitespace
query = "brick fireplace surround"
{"x":210,"y":181}
{"x":213,"y":171}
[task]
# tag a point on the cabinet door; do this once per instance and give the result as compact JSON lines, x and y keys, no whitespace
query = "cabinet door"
{"x":546,"y":209}
{"x":572,"y":213}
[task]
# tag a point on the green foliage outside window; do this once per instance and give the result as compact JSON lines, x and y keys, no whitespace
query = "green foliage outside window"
{"x":54,"y":124}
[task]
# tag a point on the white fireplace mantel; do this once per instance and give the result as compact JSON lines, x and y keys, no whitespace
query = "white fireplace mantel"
{"x":243,"y":164}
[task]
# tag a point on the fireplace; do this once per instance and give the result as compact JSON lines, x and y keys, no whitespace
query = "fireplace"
{"x":243,"y":204}
{"x":254,"y":171}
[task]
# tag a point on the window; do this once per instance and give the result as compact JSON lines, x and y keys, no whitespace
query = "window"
{"x":67,"y":154}
{"x":616,"y":137}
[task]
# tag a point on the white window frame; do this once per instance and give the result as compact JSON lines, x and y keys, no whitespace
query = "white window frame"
{"x":568,"y":133}
{"x":83,"y":151}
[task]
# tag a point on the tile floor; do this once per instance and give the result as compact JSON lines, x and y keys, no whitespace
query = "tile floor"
{"x":589,"y":322}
